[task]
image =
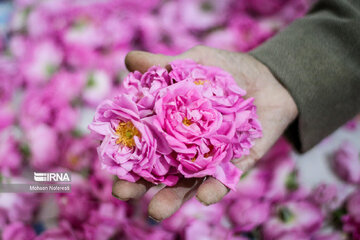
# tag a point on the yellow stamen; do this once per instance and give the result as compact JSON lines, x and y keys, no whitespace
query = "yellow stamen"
{"x":200,"y":82}
{"x":126,"y":132}
{"x":193,"y":159}
{"x":74,"y":160}
{"x":187,"y":122}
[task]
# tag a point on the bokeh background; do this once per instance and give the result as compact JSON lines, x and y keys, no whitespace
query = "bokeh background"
{"x":60,"y":58}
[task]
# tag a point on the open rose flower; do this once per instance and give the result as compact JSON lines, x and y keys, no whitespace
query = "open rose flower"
{"x":143,"y":88}
{"x":239,"y":121}
{"x":189,"y":124}
{"x":128,"y":149}
{"x":346,"y":163}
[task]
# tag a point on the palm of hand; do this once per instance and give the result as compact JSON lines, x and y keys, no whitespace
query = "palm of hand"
{"x":275,"y":107}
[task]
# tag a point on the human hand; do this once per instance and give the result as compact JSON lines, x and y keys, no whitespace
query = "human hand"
{"x":275,"y":108}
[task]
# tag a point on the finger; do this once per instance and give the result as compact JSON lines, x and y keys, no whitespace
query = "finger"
{"x":125,"y":190}
{"x":142,"y":61}
{"x":211,"y":191}
{"x":168,"y":200}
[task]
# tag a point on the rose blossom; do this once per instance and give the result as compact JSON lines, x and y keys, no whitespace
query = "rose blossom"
{"x":192,"y":211}
{"x":293,"y":217}
{"x":129,"y":147}
{"x":248,"y":213}
{"x":239,"y":121}
{"x":350,"y":226}
{"x":353,"y":206}
{"x":324,"y":194}
{"x":346,"y":163}
{"x":42,"y":61}
{"x":143,"y":88}
{"x":137,"y":229}
{"x":253,"y":183}
{"x":97,"y":88}
{"x":10,"y":157}
{"x":43,"y":144}
{"x":47,"y":106}
{"x":202,"y":230}
{"x":105,"y":221}
{"x":19,"y":206}
{"x":189,"y":124}
{"x":18,"y":231}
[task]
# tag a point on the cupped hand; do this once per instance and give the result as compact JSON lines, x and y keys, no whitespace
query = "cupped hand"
{"x":275,"y":107}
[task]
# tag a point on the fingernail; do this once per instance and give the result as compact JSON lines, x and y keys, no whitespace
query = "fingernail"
{"x":154,"y":219}
{"x":203,"y":203}
{"x":122,"y":199}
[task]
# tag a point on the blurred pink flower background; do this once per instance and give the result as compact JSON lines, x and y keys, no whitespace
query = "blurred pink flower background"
{"x":60,"y":59}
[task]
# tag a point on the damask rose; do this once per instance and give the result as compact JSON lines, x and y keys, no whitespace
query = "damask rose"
{"x":129,"y":149}
{"x":190,"y":121}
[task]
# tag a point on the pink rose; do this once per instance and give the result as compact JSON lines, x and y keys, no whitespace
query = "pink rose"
{"x":128,"y":149}
{"x":346,"y":163}
{"x":248,"y":213}
{"x":9,"y":79}
{"x":144,"y":88}
{"x":264,"y":7}
{"x":10,"y":157}
{"x":7,"y":115}
{"x":202,"y":230}
{"x":47,"y":106}
{"x":158,"y":37}
{"x":106,"y":221}
{"x":353,"y":206}
{"x":76,"y":205}
{"x":137,"y":229}
{"x":42,"y":61}
{"x":19,"y":206}
{"x":97,"y":88}
{"x":283,"y":178}
{"x":190,"y":124}
{"x":293,"y":217}
{"x":249,"y":32}
{"x":192,"y":211}
{"x":43,"y":144}
{"x":324,"y":194}
{"x":254,"y":183}
{"x":100,"y":181}
{"x":239,"y":122}
{"x":77,"y":153}
{"x":18,"y":231}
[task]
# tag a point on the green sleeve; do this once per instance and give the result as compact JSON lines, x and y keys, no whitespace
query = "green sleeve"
{"x":317,"y":58}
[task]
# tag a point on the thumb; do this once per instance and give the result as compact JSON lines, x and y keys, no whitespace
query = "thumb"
{"x":142,"y":61}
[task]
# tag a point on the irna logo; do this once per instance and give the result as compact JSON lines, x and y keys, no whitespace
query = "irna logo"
{"x":52,"y":177}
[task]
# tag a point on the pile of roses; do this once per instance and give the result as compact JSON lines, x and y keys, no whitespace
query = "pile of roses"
{"x":61,"y":59}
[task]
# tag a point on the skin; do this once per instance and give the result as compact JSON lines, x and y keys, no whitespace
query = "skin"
{"x":275,"y":107}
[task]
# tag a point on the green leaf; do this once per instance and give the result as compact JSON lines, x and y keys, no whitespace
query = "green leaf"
{"x":25,"y":150}
{"x":91,"y":80}
{"x":50,"y":70}
{"x":292,"y":183}
{"x":285,"y":214}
